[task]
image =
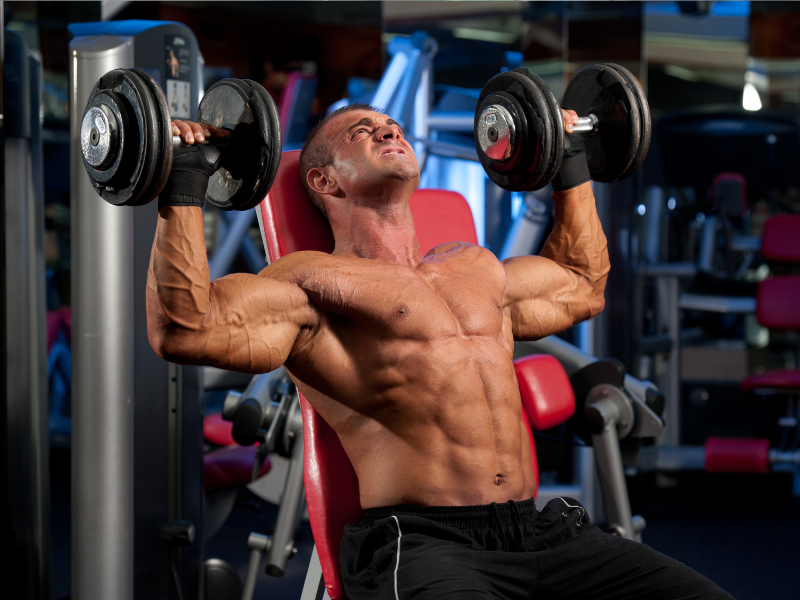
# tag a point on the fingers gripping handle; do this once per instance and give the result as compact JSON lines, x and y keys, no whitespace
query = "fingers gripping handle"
{"x":586,"y":124}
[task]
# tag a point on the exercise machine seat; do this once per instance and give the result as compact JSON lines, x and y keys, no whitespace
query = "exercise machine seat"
{"x":217,"y":430}
{"x":776,"y":301}
{"x":779,"y":240}
{"x":545,"y":389}
{"x":230,"y":467}
{"x":290,"y":223}
{"x":785,"y":380}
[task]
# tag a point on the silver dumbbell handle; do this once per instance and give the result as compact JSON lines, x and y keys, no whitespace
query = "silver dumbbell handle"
{"x":177,"y":142}
{"x":586,"y":125}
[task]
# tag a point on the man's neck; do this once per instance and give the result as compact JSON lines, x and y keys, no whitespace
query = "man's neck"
{"x":383,"y":231}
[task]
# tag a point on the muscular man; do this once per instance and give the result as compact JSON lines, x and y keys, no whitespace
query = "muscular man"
{"x":409,"y":359}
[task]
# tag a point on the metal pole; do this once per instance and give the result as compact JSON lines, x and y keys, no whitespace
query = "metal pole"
{"x":102,"y":346}
{"x":293,"y":494}
{"x":40,"y":439}
{"x":612,"y":477}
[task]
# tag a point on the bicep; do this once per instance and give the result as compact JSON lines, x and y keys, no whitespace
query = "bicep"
{"x":251,"y":324}
{"x":544,"y":297}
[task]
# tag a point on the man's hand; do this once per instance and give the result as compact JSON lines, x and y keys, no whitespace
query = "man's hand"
{"x":574,"y":167}
{"x":191,"y":166}
{"x":191,"y":131}
{"x":570,"y":119}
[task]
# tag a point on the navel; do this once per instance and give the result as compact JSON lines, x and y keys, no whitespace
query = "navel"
{"x":499,"y":479}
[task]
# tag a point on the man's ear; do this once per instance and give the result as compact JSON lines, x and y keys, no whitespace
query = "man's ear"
{"x":322,"y":181}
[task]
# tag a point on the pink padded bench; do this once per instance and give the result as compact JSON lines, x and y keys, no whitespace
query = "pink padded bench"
{"x":777,"y":301}
{"x":290,"y":223}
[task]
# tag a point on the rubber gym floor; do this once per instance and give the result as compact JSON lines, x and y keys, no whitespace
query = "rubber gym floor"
{"x":742,"y":531}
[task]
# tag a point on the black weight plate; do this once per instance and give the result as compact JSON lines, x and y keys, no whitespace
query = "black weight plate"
{"x":248,"y":157}
{"x":536,"y":98}
{"x":530,"y":104}
{"x":275,"y":145}
{"x":162,"y":138}
{"x":601,"y":91}
{"x":644,"y":112}
{"x":558,"y":126}
{"x":124,"y":187}
{"x":143,"y":189}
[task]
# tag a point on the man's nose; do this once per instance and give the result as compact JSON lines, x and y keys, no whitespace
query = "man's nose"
{"x":389,"y":132}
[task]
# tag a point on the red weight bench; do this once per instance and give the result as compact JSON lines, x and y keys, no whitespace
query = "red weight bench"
{"x":290,"y":223}
{"x":777,"y":302}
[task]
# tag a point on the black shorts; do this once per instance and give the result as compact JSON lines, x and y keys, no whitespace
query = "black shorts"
{"x":506,"y":550}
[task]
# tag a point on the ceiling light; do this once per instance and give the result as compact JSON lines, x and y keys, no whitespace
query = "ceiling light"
{"x":750,"y":98}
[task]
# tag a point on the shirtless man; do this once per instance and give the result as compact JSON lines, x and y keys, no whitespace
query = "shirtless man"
{"x":409,"y":359}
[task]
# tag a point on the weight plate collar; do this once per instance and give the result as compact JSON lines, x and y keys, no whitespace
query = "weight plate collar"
{"x":99,"y":137}
{"x":496,"y":133}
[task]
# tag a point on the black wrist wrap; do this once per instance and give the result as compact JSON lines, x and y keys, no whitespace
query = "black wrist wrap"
{"x":574,"y":167}
{"x":192,"y":166}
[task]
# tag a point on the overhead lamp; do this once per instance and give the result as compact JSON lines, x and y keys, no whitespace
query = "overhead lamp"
{"x":750,"y":98}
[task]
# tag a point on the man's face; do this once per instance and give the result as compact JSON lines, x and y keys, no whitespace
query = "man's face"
{"x":369,"y":149}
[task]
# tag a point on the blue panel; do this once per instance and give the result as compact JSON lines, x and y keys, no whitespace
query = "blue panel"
{"x":131,"y":27}
{"x":728,"y":8}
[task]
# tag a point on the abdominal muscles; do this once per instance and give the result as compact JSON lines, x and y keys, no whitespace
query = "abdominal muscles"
{"x":442,"y":428}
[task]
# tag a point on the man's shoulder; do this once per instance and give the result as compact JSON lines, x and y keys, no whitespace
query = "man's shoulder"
{"x":462,"y":251}
{"x":296,"y":264}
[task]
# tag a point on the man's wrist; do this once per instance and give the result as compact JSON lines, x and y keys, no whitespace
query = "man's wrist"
{"x":573,"y":172}
{"x":192,"y":167}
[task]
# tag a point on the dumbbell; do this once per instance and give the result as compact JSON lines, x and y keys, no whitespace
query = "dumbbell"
{"x":519,"y":127}
{"x":126,"y":139}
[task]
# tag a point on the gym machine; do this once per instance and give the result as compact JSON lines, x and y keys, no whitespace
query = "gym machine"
{"x":720,"y":135}
{"x":135,"y":417}
{"x":24,"y":419}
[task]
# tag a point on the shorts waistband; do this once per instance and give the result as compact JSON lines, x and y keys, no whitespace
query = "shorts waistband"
{"x":462,"y":517}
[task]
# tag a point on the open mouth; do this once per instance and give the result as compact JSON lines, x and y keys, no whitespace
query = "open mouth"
{"x":392,"y":150}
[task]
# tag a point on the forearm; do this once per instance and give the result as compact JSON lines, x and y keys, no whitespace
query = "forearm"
{"x":577,"y":241}
{"x":240,"y":322}
{"x":178,"y":282}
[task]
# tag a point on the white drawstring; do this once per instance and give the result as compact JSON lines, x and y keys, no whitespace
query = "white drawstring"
{"x":397,"y":566}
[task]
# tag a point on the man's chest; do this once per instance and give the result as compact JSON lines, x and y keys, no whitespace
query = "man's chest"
{"x":457,"y":293}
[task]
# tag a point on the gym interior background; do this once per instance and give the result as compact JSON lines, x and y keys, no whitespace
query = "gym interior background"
{"x":682,"y":303}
